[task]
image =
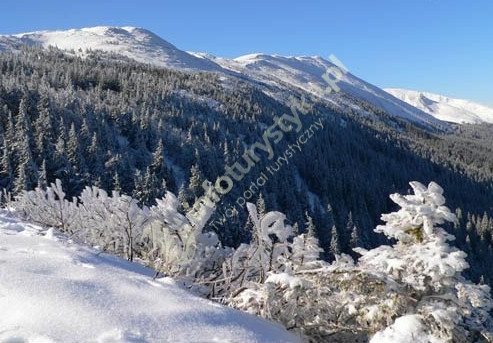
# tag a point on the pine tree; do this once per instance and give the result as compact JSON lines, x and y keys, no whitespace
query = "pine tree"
{"x":355,"y":240}
{"x":6,"y":169}
{"x":73,"y":153}
{"x":27,"y":170}
{"x":62,"y":167}
{"x":194,"y":184}
{"x":484,"y":227}
{"x":182,"y":198}
{"x":306,"y":247}
{"x":335,"y":244}
{"x":139,"y":191}
{"x":43,"y":130}
{"x":346,"y":243}
{"x":157,"y":162}
{"x":43,"y":176}
{"x":116,"y":183}
{"x":261,"y":206}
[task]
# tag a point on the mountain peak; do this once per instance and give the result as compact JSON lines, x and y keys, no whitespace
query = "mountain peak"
{"x":136,"y":43}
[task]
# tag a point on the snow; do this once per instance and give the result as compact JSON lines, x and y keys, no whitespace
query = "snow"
{"x":305,"y":72}
{"x":136,"y":43}
{"x":55,"y":290}
{"x":283,"y":73}
{"x":285,"y":279}
{"x":406,"y":329}
{"x":458,"y":111}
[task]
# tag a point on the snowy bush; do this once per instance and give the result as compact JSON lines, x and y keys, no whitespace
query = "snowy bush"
{"x":48,"y":207}
{"x":173,"y":243}
{"x":179,"y":247}
{"x":278,"y":276}
{"x":411,"y":291}
{"x":114,"y":222}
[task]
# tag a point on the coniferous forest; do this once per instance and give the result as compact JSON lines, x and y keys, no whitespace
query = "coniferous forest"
{"x":142,"y":131}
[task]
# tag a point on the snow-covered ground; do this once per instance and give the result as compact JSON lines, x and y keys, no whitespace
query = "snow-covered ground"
{"x":458,"y":111}
{"x":55,"y":290}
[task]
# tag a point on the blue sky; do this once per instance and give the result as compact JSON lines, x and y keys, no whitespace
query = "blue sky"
{"x":440,"y":46}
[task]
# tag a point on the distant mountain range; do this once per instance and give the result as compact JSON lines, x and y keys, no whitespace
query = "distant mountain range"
{"x":276,"y":74}
{"x":458,"y":111}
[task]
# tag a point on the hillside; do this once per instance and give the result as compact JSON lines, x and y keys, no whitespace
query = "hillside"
{"x":143,"y":130}
{"x":309,"y":74}
{"x":53,"y":290}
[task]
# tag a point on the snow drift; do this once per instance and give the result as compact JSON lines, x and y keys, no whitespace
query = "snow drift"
{"x":55,"y":290}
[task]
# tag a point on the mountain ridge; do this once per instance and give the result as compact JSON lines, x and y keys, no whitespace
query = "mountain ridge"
{"x":303,"y":72}
{"x":137,"y":43}
{"x":459,"y":111}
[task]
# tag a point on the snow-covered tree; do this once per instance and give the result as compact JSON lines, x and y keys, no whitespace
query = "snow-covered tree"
{"x":335,"y":243}
{"x":305,"y":247}
{"x":436,"y":300}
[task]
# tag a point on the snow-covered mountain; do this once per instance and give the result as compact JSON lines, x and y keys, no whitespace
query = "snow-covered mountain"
{"x":458,"y":111}
{"x":274,"y":70}
{"x":53,"y":290}
{"x":306,"y":72}
{"x":136,"y":43}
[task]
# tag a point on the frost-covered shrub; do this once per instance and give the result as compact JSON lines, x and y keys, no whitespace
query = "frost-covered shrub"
{"x":276,"y":276}
{"x":411,"y":291}
{"x":115,"y":223}
{"x":48,"y":207}
{"x":171,"y":242}
{"x":179,"y":247}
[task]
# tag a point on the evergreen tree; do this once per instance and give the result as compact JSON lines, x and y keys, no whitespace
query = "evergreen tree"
{"x":116,"y":183}
{"x":139,"y":193}
{"x":355,"y":240}
{"x":194,"y":184}
{"x":261,"y":206}
{"x":335,"y":244}
{"x":43,"y":176}
{"x":425,"y":266}
{"x":157,"y":163}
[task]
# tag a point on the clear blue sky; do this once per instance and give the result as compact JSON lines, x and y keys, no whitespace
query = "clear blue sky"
{"x":441,"y":46}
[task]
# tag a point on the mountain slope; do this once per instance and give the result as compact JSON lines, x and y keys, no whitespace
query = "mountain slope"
{"x":306,"y":73}
{"x":54,"y":290}
{"x":458,"y":111}
{"x":136,"y":43}
{"x":122,"y":111}
{"x":278,"y":71}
